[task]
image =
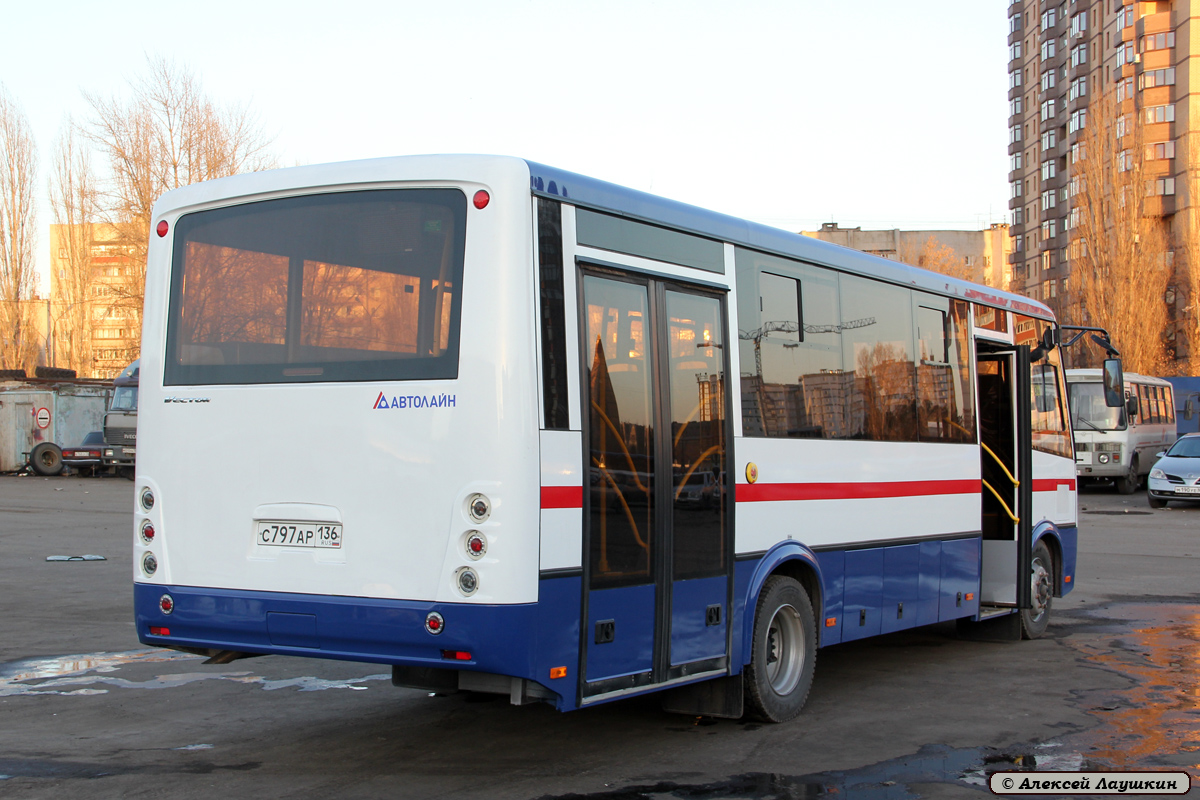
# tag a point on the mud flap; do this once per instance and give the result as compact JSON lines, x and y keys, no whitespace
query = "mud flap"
{"x":719,"y":697}
{"x":1005,"y":628}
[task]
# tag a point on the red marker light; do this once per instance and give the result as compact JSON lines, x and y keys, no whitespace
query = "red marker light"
{"x":162,"y":228}
{"x":160,"y":631}
{"x":481,"y":200}
{"x":456,"y":655}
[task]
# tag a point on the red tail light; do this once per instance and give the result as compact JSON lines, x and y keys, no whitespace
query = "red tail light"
{"x":456,"y":655}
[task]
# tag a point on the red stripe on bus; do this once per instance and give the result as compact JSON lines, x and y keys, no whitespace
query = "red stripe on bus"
{"x":1052,"y":484}
{"x":562,"y":497}
{"x":767,"y":492}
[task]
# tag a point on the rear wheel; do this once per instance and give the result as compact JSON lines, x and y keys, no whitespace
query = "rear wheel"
{"x":1128,"y":483}
{"x":784,"y":652}
{"x":1041,"y":575}
{"x":46,"y":459}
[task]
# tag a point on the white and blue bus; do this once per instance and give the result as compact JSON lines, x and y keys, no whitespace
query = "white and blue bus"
{"x":511,"y":429}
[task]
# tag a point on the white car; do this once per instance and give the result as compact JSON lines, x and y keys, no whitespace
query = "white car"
{"x":1176,"y":474}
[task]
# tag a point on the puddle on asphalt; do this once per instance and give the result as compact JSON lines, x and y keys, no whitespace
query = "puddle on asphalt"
{"x":78,"y":675}
{"x":1155,"y":722}
{"x":895,"y":779}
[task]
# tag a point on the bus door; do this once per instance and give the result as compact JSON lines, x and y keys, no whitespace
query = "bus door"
{"x":657,"y":541}
{"x":1006,"y":467}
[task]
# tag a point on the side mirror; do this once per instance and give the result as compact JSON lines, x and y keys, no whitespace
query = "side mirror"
{"x":1160,"y":454}
{"x":1114,"y":383}
{"x":1131,"y":405}
{"x":1189,"y":408}
{"x":1047,"y":343}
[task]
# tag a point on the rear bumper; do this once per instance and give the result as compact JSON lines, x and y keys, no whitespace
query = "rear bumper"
{"x":366,"y":629}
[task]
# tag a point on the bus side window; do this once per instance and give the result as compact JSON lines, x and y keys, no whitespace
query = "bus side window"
{"x":1169,"y":404}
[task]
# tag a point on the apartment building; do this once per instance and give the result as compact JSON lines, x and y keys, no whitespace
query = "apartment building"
{"x":1063,"y":56}
{"x":984,"y":255}
{"x":92,"y":311}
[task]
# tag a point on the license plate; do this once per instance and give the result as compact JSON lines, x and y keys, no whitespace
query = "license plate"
{"x":1187,"y":490}
{"x":298,"y":534}
{"x":77,"y":454}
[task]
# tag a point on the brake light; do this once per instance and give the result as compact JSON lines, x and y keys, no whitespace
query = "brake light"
{"x":481,"y":199}
{"x":155,"y":631}
{"x":456,"y":655}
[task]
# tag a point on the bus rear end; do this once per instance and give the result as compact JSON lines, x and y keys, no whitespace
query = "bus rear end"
{"x":338,"y":433}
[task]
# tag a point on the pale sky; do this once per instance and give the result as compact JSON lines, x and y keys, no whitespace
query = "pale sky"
{"x":786,"y":112}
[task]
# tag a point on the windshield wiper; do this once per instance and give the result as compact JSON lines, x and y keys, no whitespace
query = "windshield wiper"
{"x":1085,"y":421}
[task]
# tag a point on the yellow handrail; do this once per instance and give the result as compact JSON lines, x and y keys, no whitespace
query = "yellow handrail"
{"x":1003,"y":504}
{"x":1015,"y":482}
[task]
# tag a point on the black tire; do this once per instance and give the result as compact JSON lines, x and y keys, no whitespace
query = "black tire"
{"x":1155,"y":502}
{"x":1128,"y":483}
{"x":46,"y":459}
{"x":1035,"y":620}
{"x":784,"y":653}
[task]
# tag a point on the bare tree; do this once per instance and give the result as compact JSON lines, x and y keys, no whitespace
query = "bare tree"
{"x":168,"y":134}
{"x":938,"y":257}
{"x":73,"y":202}
{"x":1119,"y":241}
{"x":18,"y":165}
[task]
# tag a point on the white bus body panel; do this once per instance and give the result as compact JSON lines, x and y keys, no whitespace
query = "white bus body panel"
{"x":398,"y":478}
{"x":831,"y":522}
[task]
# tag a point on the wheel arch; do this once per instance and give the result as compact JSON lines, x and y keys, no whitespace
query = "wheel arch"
{"x":1048,"y":532}
{"x":796,"y":561}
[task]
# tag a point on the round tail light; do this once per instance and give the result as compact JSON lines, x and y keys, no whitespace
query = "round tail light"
{"x":468,"y":581}
{"x":476,"y":545}
{"x":147,"y":532}
{"x":166,"y":604}
{"x":147,"y":499}
{"x":149,"y":564}
{"x":434,"y":623}
{"x":479,"y":507}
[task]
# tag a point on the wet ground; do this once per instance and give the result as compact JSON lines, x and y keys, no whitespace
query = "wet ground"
{"x":921,"y":714}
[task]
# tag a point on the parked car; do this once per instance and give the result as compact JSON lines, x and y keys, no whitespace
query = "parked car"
{"x":85,"y":458}
{"x":1176,"y":474}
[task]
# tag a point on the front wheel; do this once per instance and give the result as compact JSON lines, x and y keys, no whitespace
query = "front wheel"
{"x":1128,"y":483}
{"x":1155,"y":502}
{"x":784,"y":652}
{"x":1034,"y":620}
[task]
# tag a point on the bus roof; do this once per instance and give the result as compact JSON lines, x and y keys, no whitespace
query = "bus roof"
{"x":1087,"y":375}
{"x":590,"y":192}
{"x":603,"y":196}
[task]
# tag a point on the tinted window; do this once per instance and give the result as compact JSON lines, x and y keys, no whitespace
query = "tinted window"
{"x":792,"y":382}
{"x":993,"y":319}
{"x":346,"y":286}
{"x":554,"y":343}
{"x":945,"y":396}
{"x":877,"y":348}
{"x":648,"y":241}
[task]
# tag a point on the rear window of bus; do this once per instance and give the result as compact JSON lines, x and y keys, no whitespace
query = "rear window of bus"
{"x":345,"y":286}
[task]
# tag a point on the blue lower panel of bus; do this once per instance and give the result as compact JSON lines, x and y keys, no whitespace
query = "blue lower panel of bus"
{"x":523,"y":641}
{"x":874,"y":590}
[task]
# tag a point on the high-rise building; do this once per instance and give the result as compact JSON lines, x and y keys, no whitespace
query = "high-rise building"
{"x":1065,"y":55}
{"x":95,"y":301}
